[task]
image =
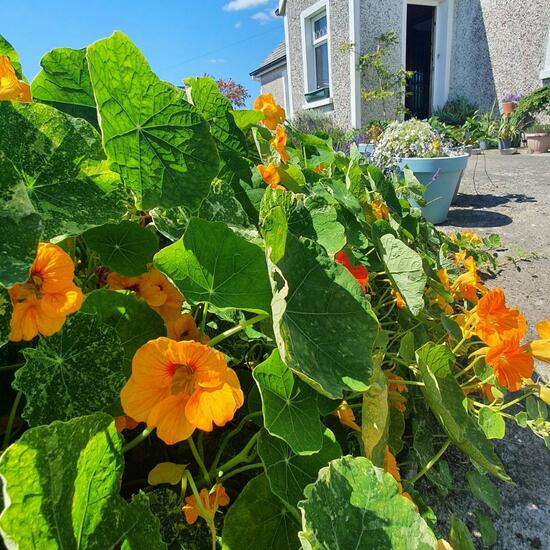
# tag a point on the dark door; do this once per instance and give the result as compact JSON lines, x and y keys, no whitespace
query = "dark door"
{"x":420,"y":32}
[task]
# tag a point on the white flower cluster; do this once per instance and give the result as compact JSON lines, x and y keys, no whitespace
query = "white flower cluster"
{"x":410,"y":139}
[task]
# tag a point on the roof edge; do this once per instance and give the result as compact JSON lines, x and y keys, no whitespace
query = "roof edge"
{"x":267,"y":67}
{"x":282,"y":7}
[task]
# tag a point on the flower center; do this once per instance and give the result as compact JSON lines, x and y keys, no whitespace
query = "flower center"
{"x":183,"y":380}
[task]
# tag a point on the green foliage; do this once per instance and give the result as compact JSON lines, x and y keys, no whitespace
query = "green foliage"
{"x":355,"y":504}
{"x":66,"y":477}
{"x":57,"y":377}
{"x":383,"y":81}
{"x":157,"y":141}
{"x":455,"y":111}
{"x":484,"y":489}
{"x":531,"y":106}
{"x":211,"y":263}
{"x":259,"y":519}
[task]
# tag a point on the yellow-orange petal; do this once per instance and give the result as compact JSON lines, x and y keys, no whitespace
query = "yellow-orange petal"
{"x":151,"y":365}
{"x":170,"y":419}
{"x":183,"y":328}
{"x":208,"y":407}
{"x":24,"y":324}
{"x":139,"y":399}
{"x":543,"y":329}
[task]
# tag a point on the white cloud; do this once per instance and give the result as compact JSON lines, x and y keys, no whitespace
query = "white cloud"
{"x":216,"y":61}
{"x":238,"y":25}
{"x":237,"y":5}
{"x":264,"y":17}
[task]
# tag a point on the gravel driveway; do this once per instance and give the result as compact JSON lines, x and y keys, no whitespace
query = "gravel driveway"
{"x":510,"y":195}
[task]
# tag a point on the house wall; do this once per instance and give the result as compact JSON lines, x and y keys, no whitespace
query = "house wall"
{"x":274,"y":82}
{"x":376,"y":18}
{"x":340,"y":109}
{"x":498,"y":48}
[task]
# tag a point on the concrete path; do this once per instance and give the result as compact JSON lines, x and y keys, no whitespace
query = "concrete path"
{"x":510,"y":195}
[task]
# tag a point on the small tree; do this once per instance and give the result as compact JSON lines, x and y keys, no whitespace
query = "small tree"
{"x":374,"y":68}
{"x":236,"y":93}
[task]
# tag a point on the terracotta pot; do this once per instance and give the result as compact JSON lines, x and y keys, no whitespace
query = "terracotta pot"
{"x":538,"y":143}
{"x":508,"y":107}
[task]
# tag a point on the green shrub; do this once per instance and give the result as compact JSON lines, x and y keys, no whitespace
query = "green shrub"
{"x":531,"y":105}
{"x":455,"y":111}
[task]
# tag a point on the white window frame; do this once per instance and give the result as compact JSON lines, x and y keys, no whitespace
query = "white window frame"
{"x":442,"y":42}
{"x":307,"y":19}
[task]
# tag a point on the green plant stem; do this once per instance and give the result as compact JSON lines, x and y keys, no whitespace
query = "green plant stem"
{"x":468,"y":368}
{"x":137,"y":440}
{"x":237,"y":328}
{"x":203,"y":320}
{"x":241,"y":470}
{"x":203,"y":512}
{"x":459,"y":345}
{"x":517,"y":400}
{"x":11,"y":367}
{"x":241,"y":457}
{"x":431,"y":463}
{"x":11,"y":418}
{"x":229,"y":436}
{"x":199,"y":460}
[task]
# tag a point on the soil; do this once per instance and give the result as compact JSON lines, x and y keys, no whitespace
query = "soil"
{"x":509,"y":195}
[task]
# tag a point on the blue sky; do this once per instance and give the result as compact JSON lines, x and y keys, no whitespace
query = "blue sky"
{"x":180,"y":38}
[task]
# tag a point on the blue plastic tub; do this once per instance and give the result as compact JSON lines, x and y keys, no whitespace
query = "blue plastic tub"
{"x":441,"y":176}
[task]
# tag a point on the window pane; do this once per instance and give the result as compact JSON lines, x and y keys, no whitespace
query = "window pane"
{"x":320,"y":27}
{"x":321,"y":65}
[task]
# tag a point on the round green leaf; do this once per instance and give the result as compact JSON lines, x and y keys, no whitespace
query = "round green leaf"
{"x":289,"y":473}
{"x":492,"y":423}
{"x":324,"y":329}
{"x":132,"y":318}
{"x":445,"y":398}
{"x":213,"y":264}
{"x":160,"y":144}
{"x":484,"y":489}
{"x":258,"y":519}
{"x":77,"y":371}
{"x":63,"y":166}
{"x":353,"y":504}
{"x":62,"y":484}
{"x":289,"y":406}
{"x":5,"y":316}
{"x":126,"y":247}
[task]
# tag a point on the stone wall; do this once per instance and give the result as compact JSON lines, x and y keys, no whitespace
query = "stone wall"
{"x":340,"y":109}
{"x":498,"y":48}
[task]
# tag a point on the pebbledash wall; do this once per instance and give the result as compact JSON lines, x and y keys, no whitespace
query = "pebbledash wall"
{"x":489,"y":48}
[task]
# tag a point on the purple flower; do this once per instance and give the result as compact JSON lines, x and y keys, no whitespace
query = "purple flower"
{"x":511,"y":97}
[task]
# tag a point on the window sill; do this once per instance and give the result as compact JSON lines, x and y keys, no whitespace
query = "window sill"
{"x":318,"y":103}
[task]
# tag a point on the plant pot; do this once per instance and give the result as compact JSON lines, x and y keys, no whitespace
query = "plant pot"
{"x":508,"y":151}
{"x":483,"y":146}
{"x":538,"y":143}
{"x":366,"y":149}
{"x":505,"y":143}
{"x":475,"y":151}
{"x":441,"y":176}
{"x":508,"y":107}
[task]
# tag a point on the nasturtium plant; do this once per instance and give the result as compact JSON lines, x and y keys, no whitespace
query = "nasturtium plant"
{"x":216,"y":331}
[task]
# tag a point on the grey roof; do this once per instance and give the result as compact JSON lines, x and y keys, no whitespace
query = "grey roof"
{"x":278,"y":55}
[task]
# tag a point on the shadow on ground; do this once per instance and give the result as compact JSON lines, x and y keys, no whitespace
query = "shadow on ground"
{"x":466,"y":200}
{"x":464,"y":217}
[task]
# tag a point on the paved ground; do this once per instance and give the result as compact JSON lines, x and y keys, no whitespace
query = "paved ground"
{"x":510,"y":195}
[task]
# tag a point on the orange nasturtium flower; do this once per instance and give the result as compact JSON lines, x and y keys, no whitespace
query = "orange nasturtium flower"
{"x":469,"y":283}
{"x":345,"y":415}
{"x":359,"y":272}
{"x":125,"y":423}
{"x":155,"y":289}
{"x":270,"y":175}
{"x":177,"y":387}
{"x":184,"y":328}
{"x":395,"y":389}
{"x":390,"y":465}
{"x":510,"y":362}
{"x":541,"y":348}
{"x":379,"y":210}
{"x":495,"y":321}
{"x":279,"y":144}
{"x":210,"y":504}
{"x":11,"y":88}
{"x":41,"y":305}
{"x":399,"y":302}
{"x":273,"y":114}
{"x":470,"y":236}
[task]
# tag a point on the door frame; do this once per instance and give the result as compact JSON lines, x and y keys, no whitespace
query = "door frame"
{"x":441,"y":47}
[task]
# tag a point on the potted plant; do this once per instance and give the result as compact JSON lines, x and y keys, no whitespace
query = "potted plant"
{"x":509,"y":103}
{"x":366,"y":140}
{"x":432,"y":159}
{"x":538,"y":138}
{"x":506,"y":132}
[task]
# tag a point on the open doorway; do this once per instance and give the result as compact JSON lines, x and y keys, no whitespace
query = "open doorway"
{"x":419,"y":59}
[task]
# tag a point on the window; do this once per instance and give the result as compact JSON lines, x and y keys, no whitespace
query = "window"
{"x":316,"y":52}
{"x":320,"y":49}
